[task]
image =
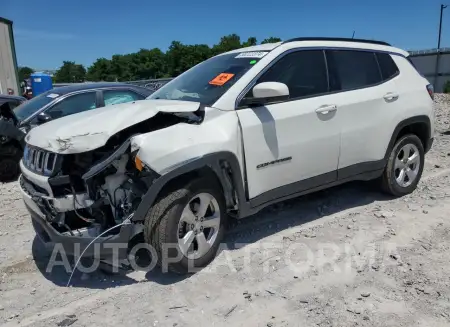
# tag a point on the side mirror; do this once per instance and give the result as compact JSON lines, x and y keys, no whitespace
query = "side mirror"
{"x":267,"y":92}
{"x":43,"y":118}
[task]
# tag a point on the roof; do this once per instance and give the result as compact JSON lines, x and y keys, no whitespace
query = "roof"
{"x":90,"y":86}
{"x":260,"y":47}
{"x":337,"y":39}
{"x":6,"y":21}
{"x":7,"y":98}
{"x":12,"y":97}
{"x":327,"y":42}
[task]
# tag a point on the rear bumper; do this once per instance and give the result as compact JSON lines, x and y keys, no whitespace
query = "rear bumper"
{"x":103,"y":247}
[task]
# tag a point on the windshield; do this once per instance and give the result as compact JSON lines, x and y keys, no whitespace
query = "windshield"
{"x":29,"y":107}
{"x":208,"y":81}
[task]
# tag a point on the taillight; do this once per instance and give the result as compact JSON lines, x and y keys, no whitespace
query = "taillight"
{"x":430,"y":90}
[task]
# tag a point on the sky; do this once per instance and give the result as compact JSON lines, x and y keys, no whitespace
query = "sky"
{"x":49,"y":31}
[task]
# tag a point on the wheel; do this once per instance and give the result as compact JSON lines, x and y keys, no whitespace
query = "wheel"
{"x":404,"y":167}
{"x":9,"y":164}
{"x":186,"y":225}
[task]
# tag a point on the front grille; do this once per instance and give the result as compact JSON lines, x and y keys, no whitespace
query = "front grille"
{"x":40,"y":161}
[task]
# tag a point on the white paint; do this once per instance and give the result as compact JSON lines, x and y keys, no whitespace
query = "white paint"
{"x":270,"y":90}
{"x":167,"y":148}
{"x":288,"y":129}
{"x":91,"y":129}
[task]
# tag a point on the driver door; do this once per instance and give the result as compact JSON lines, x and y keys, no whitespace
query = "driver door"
{"x":292,"y":146}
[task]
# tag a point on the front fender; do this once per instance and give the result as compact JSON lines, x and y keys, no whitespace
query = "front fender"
{"x":215,"y":161}
{"x":168,"y":148}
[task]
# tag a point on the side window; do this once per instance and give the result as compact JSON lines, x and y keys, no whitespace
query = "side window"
{"x":14,"y":104}
{"x":120,"y":96}
{"x":73,"y":105}
{"x":353,"y":69}
{"x":387,"y":66}
{"x":304,"y":72}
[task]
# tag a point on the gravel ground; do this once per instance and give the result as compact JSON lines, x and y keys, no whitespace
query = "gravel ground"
{"x":347,"y":256}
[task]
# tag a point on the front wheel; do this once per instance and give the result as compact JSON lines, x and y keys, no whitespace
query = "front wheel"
{"x":404,"y":167}
{"x":186,"y":225}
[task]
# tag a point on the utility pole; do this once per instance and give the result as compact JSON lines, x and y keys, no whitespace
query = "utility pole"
{"x":440,"y":26}
{"x":438,"y":55}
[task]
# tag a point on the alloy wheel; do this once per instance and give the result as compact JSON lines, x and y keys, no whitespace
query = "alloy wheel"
{"x":199,"y":226}
{"x":407,"y":165}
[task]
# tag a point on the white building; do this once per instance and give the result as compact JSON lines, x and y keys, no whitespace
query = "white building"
{"x":8,"y":61}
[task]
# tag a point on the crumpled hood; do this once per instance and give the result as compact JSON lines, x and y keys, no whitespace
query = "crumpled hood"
{"x":91,"y":129}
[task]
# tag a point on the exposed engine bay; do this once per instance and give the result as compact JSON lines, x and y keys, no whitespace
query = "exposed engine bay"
{"x":95,"y":190}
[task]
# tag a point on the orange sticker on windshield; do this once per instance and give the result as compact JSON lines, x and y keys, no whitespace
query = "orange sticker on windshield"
{"x":221,"y":79}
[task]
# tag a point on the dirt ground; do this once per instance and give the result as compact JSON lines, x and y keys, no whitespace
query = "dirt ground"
{"x":348,"y":256}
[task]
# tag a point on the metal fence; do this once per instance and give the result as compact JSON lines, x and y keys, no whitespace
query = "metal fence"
{"x":152,"y":84}
{"x":428,"y":51}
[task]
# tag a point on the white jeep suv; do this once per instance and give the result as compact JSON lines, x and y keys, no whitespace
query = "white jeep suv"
{"x":235,"y":133}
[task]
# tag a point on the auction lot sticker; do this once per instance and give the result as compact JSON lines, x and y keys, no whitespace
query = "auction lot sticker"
{"x":253,"y":54}
{"x":221,"y":79}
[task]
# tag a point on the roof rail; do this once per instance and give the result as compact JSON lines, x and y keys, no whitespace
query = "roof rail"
{"x":342,"y":39}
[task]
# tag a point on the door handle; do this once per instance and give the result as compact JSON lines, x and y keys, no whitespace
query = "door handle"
{"x":390,"y":97}
{"x":326,"y":109}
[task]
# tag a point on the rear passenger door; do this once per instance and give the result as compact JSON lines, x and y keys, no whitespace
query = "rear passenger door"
{"x":367,"y":99}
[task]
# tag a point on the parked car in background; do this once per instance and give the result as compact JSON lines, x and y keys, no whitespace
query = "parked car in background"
{"x":18,"y":116}
{"x":9,"y":155}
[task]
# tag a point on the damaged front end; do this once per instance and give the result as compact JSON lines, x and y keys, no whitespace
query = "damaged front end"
{"x":85,"y":200}
{"x":79,"y":196}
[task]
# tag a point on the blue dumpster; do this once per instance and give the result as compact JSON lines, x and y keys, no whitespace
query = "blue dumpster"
{"x":40,"y":83}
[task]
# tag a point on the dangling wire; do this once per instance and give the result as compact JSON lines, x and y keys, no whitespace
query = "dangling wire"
{"x":126,"y":221}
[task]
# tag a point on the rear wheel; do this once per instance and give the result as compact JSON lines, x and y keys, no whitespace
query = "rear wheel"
{"x":186,"y":225}
{"x":404,"y":167}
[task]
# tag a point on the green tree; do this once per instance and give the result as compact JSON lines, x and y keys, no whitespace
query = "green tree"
{"x":153,"y":63}
{"x":100,"y":70}
{"x":180,"y":57}
{"x":150,"y":64}
{"x":227,"y":43}
{"x":250,"y":42}
{"x":25,"y":72}
{"x":70,"y":72}
{"x":271,"y":40}
{"x":447,"y":87}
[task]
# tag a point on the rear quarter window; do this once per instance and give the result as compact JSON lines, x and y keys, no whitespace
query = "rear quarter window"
{"x":352,"y":69}
{"x":387,"y":65}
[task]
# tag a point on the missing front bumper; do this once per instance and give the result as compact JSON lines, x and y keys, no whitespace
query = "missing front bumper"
{"x":103,"y":247}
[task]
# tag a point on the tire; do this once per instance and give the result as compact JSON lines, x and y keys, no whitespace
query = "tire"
{"x":396,"y":164}
{"x":169,"y":220}
{"x":9,"y":164}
